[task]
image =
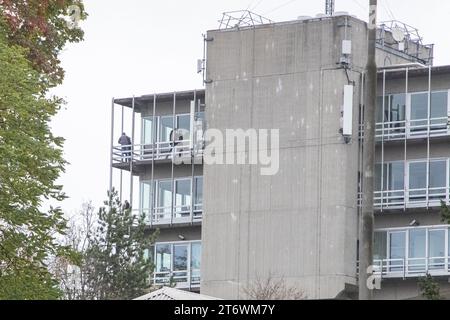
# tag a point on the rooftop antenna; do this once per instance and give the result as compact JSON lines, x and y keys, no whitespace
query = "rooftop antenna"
{"x":329,"y":7}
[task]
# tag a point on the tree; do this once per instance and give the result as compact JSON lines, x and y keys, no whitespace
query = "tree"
{"x":32,"y":34}
{"x":41,"y":26}
{"x":272,"y":289}
{"x":445,"y":213}
{"x":429,"y":288}
{"x":31,"y":160}
{"x":71,"y":274}
{"x":116,"y":263}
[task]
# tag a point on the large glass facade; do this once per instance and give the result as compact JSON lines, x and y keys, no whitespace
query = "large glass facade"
{"x":413,"y":251}
{"x":423,"y":183}
{"x":181,"y":196}
{"x":179,"y":262}
{"x":412,"y":115}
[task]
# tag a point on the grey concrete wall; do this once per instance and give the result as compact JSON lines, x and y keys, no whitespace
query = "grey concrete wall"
{"x":301,"y":224}
{"x":171,"y":234}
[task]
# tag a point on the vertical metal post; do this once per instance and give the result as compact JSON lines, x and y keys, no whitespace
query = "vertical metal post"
{"x":367,"y":223}
{"x":407,"y":126}
{"x":382,"y":143}
{"x":154,"y":147}
{"x":173,"y":156}
{"x":132,"y":152}
{"x":193,"y":160}
{"x":428,"y":136}
{"x":121,"y":171}
{"x":112,"y":147}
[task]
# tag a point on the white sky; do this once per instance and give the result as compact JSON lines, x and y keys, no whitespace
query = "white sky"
{"x":137,"y":47}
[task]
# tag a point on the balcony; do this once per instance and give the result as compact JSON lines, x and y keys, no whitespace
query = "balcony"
{"x":413,"y":129}
{"x":411,"y":184}
{"x":178,"y":263}
{"x":173,"y":202}
{"x":160,"y":151}
{"x":412,"y":252}
{"x":163,"y":139}
{"x":412,"y":268}
{"x":409,"y":116}
{"x":411,"y":198}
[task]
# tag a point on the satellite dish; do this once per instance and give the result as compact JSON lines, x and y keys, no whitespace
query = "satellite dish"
{"x":398,"y":34}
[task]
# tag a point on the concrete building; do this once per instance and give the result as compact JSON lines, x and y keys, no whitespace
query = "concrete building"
{"x":304,"y":78}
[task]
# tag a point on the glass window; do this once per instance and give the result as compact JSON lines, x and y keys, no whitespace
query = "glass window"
{"x":378,"y":177}
{"x":183,"y":196}
{"x":380,"y":245}
{"x":165,"y":195}
{"x":419,"y":106}
{"x":147,"y":131}
{"x":417,"y":181}
{"x":396,"y":175}
{"x":436,"y":249}
{"x":439,"y":105}
{"x":165,"y":128}
{"x":180,"y":257}
{"x":379,"y":110}
{"x":184,"y":122}
{"x":438,"y":179}
{"x":437,"y":243}
{"x":398,"y":107}
{"x":146,"y":196}
{"x":196,"y":255}
{"x":417,"y":240}
{"x":198,"y":191}
{"x":397,"y":250}
{"x":183,"y":127}
{"x":163,"y":257}
{"x":448,"y":238}
{"x":417,"y":249}
{"x":419,"y":112}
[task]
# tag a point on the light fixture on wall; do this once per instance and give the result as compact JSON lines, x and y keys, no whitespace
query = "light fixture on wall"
{"x":414,"y":223}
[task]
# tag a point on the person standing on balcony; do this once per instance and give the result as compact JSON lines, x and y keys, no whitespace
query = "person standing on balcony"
{"x":125,"y":142}
{"x":175,"y":139}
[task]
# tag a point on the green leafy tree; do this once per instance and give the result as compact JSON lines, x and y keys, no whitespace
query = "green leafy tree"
{"x":41,"y":26}
{"x":117,"y":264}
{"x":32,"y":34}
{"x":429,"y":288}
{"x":31,"y":160}
{"x":445,"y":213}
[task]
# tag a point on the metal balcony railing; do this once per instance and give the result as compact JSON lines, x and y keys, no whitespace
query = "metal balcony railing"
{"x":154,"y":152}
{"x":184,"y":279}
{"x":412,"y":267}
{"x":411,"y":129}
{"x":410,"y":198}
{"x":172,"y":215}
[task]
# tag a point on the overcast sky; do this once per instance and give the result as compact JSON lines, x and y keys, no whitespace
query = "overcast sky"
{"x":137,"y":47}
